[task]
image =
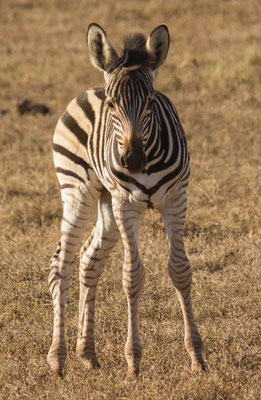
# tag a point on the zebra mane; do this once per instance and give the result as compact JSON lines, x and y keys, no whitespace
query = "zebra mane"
{"x":134,"y":52}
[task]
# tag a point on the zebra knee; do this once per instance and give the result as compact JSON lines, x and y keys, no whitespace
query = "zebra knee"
{"x":85,"y":247}
{"x":92,"y":262}
{"x":133,"y":280}
{"x":55,"y":256}
{"x":99,"y":245}
{"x":181,"y":276}
{"x":54,"y":268}
{"x":60,"y":269}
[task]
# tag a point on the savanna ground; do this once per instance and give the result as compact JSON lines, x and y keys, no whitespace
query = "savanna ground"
{"x":213,"y":75}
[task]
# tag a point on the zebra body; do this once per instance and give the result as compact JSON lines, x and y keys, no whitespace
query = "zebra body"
{"x":121,"y":148}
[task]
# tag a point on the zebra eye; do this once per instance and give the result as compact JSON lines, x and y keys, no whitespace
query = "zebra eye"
{"x":110,"y":105}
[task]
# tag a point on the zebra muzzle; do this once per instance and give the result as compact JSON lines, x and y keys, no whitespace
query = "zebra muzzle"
{"x":133,"y":157}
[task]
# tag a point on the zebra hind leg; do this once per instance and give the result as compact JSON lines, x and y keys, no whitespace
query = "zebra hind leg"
{"x":181,"y":276}
{"x":77,"y":209}
{"x":94,"y":253}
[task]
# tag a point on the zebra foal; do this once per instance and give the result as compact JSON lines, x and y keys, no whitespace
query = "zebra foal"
{"x":122,"y":149}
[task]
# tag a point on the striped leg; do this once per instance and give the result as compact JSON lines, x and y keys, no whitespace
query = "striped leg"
{"x":77,"y":209}
{"x":94,"y":253}
{"x":180,"y":274}
{"x":128,"y":221}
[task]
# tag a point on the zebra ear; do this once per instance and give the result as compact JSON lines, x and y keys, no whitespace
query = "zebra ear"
{"x":158,"y":45}
{"x":102,"y":53}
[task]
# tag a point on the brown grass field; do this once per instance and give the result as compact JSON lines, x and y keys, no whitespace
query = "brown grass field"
{"x":213,"y":75}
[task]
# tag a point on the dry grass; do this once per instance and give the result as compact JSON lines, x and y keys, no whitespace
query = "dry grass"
{"x":213,"y":75}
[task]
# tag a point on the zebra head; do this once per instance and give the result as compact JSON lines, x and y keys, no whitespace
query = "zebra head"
{"x":130,"y":96}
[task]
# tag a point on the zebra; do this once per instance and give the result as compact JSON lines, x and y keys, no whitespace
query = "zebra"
{"x":119,"y":150}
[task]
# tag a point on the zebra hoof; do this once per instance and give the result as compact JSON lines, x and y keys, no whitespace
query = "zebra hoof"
{"x":197,"y":367}
{"x":90,"y":361}
{"x":56,"y":367}
{"x":90,"y":364}
{"x":133,"y":372}
{"x":56,"y":359}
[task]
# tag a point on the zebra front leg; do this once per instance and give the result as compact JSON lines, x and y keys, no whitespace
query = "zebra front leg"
{"x":75,"y":216}
{"x":180,"y":274}
{"x":94,"y":254}
{"x":128,"y":220}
